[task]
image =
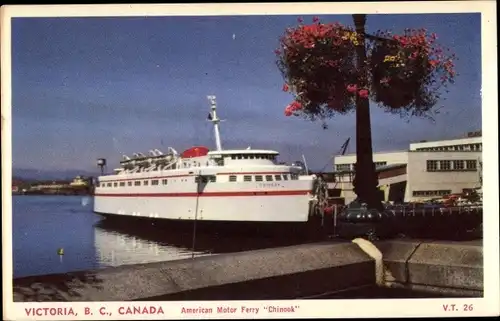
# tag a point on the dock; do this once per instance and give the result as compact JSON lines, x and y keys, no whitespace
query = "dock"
{"x":315,"y":270}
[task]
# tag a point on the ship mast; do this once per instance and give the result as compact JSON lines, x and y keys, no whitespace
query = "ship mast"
{"x":213,"y":118}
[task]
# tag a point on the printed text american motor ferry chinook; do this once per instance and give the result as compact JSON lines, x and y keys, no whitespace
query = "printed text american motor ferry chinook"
{"x":240,"y":185}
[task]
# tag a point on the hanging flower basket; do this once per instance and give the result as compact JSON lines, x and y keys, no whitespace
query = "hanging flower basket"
{"x":318,"y":63}
{"x":408,"y":71}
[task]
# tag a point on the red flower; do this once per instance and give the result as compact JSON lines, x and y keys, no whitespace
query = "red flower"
{"x":352,"y":88}
{"x":315,"y":19}
{"x":292,"y":108}
{"x":363,"y":93}
{"x":285,"y":87}
{"x":295,"y":106}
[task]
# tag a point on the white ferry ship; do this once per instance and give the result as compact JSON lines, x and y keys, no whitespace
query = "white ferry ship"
{"x":239,"y":185}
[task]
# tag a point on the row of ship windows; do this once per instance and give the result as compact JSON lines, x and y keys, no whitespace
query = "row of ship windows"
{"x":251,"y":156}
{"x":261,"y":178}
{"x":451,"y":165}
{"x":204,"y":179}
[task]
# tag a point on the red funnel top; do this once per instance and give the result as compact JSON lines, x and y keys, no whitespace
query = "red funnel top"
{"x":195,"y":151}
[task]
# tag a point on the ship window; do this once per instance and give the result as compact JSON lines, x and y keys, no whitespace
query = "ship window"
{"x":232,"y":178}
{"x":154,"y":182}
{"x":145,"y":183}
{"x":233,"y":157}
{"x":115,"y":184}
{"x":294,"y":177}
{"x":122,"y":183}
{"x":252,"y":156}
{"x":212,"y":178}
{"x":258,"y":178}
{"x":197,"y":179}
{"x":277,"y":177}
{"x":109,"y":184}
{"x":137,"y":183}
{"x":164,"y":181}
{"x":285,"y":177}
{"x":247,"y":178}
{"x":129,"y":184}
{"x":269,"y":178}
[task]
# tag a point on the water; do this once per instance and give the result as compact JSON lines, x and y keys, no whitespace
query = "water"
{"x":43,"y":224}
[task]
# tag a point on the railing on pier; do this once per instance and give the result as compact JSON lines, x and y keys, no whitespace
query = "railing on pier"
{"x":418,"y":220}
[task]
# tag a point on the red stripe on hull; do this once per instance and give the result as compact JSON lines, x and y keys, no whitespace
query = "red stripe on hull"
{"x":208,"y":194}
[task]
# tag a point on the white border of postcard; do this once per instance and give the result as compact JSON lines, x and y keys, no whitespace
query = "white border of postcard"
{"x":488,"y":305}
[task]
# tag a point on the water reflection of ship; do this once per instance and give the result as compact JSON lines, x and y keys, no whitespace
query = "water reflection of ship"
{"x":120,"y":243}
{"x":116,"y":246}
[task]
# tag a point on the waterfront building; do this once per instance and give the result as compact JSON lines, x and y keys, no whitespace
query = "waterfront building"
{"x":427,"y":170}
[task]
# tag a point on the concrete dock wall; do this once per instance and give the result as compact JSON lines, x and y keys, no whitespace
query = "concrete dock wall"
{"x":455,"y":268}
{"x":308,"y":269}
{"x":301,"y":271}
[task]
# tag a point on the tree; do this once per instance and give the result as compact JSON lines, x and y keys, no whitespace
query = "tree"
{"x":333,"y":69}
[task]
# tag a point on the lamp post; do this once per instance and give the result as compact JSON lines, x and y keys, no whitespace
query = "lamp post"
{"x":365,"y":216}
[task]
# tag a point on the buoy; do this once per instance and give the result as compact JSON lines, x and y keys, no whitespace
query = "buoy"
{"x":60,"y":251}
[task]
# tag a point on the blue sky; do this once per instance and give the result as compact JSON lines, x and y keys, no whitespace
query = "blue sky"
{"x":85,"y":88}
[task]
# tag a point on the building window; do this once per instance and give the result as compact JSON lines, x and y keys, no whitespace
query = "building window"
{"x":269,"y":178}
{"x":343,"y":167}
{"x":258,"y":178}
{"x":232,"y":178}
{"x":471,"y":164}
{"x":458,"y":165}
{"x":432,"y":165}
{"x":247,"y":178}
{"x":277,"y":177}
{"x":154,"y":182}
{"x":122,"y":183}
{"x":137,"y":183}
{"x":445,"y":165}
{"x":431,"y":193}
{"x":145,"y":183}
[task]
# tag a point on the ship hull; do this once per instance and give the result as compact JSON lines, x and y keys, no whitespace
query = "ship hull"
{"x":267,"y":229}
{"x":264,"y":206}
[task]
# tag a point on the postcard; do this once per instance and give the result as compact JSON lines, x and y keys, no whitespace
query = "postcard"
{"x":271,"y":160}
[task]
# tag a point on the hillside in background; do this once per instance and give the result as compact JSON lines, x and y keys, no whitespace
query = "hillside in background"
{"x":36,"y":174}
